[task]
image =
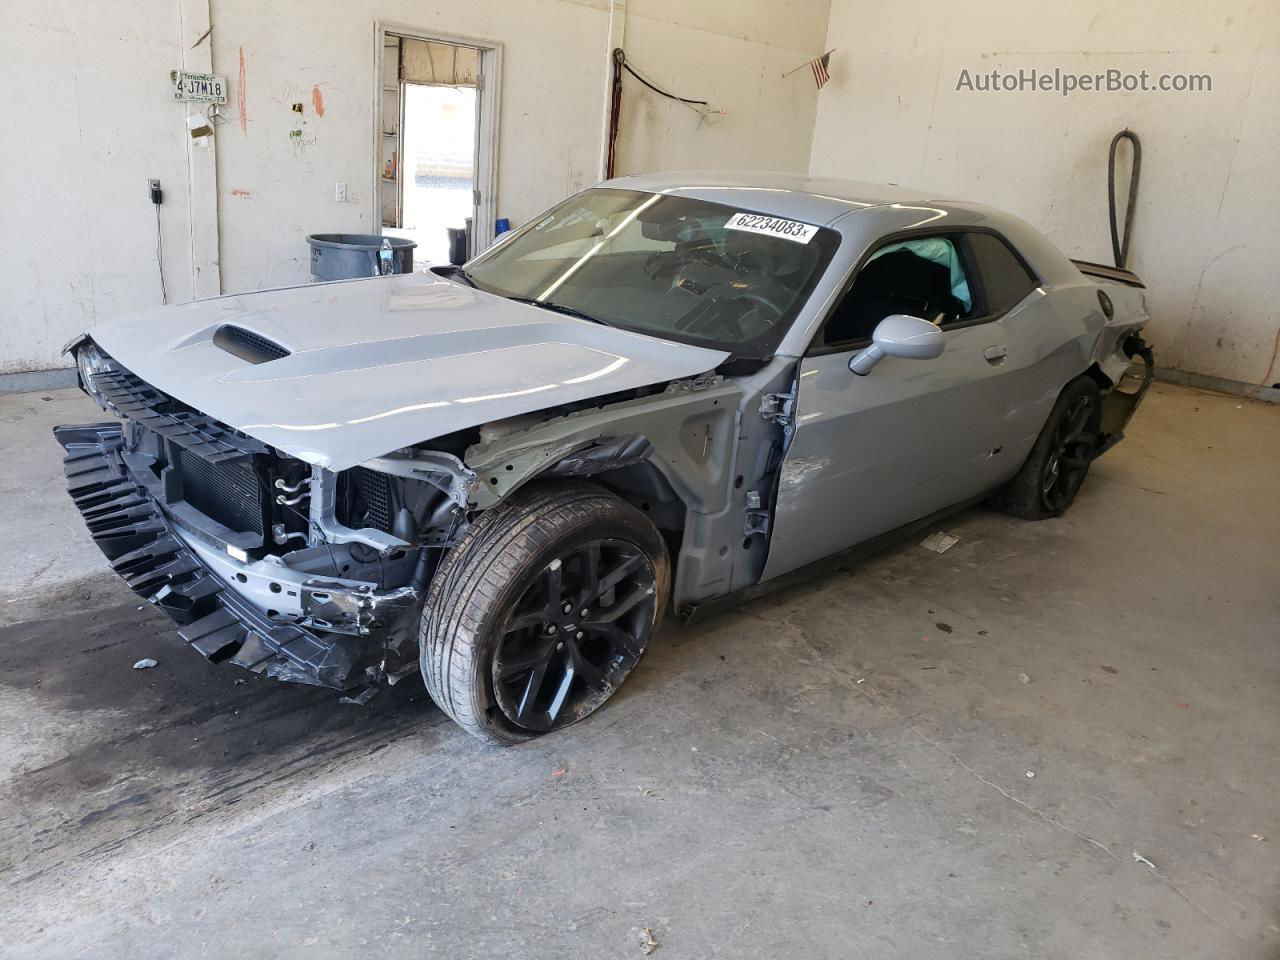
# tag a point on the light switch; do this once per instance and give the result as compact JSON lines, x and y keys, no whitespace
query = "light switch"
{"x":340,"y":192}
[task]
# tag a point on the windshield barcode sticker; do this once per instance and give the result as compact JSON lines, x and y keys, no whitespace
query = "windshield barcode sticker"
{"x":771,"y":226}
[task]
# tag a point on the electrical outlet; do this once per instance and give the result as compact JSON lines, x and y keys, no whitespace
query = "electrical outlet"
{"x":153,"y":191}
{"x":340,"y":192}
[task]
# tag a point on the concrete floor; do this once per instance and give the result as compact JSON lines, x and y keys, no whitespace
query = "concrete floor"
{"x":841,"y":770}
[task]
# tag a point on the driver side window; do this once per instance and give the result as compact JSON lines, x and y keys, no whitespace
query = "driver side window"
{"x":922,"y":277}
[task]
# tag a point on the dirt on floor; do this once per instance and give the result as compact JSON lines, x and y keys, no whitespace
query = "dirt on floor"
{"x":143,"y":754}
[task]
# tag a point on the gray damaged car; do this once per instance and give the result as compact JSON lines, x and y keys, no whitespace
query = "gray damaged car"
{"x":668,"y":390}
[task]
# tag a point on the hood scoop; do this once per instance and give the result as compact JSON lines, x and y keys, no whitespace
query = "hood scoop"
{"x":248,"y":346}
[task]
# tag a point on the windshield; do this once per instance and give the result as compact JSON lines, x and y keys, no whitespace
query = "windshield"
{"x":668,"y":266}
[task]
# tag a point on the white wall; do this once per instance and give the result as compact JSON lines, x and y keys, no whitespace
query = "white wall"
{"x":273,"y":191}
{"x":555,"y":62}
{"x":1208,"y":220}
{"x":87,"y":118}
{"x":731,"y":54}
{"x":83,"y":124}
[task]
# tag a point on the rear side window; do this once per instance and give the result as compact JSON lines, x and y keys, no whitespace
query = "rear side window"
{"x":1005,"y":281}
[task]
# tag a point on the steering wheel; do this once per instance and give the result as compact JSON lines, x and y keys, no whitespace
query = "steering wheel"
{"x":772,"y":310}
{"x":699,"y":252}
{"x":730,"y":322}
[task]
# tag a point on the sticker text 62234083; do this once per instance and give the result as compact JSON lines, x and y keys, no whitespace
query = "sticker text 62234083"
{"x":771,"y":226}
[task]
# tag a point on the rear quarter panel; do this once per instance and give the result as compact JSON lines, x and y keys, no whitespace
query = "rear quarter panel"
{"x":1052,"y":337}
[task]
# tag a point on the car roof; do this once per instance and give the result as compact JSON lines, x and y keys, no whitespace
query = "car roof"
{"x":811,"y":199}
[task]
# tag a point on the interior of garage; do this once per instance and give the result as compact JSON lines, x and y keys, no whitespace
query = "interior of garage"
{"x":1051,"y":739}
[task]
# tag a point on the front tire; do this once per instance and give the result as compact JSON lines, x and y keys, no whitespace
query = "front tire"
{"x":1048,"y":482}
{"x":541,"y":611}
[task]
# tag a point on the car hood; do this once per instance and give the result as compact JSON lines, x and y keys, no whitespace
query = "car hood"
{"x":379,"y":364}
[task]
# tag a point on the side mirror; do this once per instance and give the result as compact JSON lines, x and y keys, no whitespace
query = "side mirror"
{"x":899,"y":335}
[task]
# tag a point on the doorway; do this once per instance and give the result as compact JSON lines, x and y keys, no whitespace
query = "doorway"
{"x":436,"y":141}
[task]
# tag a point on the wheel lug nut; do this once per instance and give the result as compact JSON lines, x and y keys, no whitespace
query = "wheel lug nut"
{"x":567,"y":607}
{"x":551,"y":629}
{"x":579,"y":635}
{"x":582,"y":614}
{"x":560,"y":645}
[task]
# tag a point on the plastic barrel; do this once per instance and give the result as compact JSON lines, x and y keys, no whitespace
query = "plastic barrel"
{"x":346,"y":256}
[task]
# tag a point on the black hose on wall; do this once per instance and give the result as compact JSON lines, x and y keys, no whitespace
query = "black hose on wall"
{"x":1120,"y":246}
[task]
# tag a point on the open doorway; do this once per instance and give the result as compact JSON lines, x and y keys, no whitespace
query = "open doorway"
{"x":435,"y":142}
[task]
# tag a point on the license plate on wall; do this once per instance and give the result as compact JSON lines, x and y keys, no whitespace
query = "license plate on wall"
{"x":198,"y":87}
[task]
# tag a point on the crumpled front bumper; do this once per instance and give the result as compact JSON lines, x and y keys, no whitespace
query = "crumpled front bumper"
{"x":138,"y":539}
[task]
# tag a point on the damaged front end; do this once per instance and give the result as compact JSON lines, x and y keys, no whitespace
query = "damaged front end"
{"x":278,"y":566}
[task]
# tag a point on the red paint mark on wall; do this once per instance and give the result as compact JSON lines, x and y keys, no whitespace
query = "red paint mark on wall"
{"x":241,"y":102}
{"x":241,"y":193}
{"x":317,"y":100}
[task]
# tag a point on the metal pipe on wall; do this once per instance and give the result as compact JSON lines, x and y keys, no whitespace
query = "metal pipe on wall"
{"x":616,"y":40}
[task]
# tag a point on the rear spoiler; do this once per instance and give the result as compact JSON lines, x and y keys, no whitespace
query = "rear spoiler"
{"x":1103,"y":272}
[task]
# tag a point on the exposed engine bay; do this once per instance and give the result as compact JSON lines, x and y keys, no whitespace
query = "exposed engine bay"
{"x":333,"y":554}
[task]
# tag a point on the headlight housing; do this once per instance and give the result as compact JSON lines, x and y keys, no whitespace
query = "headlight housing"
{"x":90,"y":361}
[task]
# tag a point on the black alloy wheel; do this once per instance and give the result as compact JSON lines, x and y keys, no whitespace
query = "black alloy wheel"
{"x":542,"y":609}
{"x":574,"y":635}
{"x":1047,"y":482}
{"x":1070,"y":455}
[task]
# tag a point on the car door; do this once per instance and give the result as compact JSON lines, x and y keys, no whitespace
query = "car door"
{"x":870,"y":454}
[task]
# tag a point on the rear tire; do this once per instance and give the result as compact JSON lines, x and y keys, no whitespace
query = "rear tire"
{"x":1048,"y":482}
{"x":541,"y":611}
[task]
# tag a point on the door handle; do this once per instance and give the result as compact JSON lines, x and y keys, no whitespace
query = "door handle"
{"x":996,"y":354}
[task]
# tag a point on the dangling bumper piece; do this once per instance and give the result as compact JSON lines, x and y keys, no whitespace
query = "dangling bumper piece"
{"x":1119,"y":405}
{"x":139,"y":540}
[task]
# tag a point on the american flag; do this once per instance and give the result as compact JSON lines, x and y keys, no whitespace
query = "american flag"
{"x":819,"y":67}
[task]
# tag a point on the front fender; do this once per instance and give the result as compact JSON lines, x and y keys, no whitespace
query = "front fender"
{"x":688,"y":432}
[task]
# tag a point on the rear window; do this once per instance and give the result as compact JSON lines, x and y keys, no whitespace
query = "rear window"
{"x":1005,"y":281}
